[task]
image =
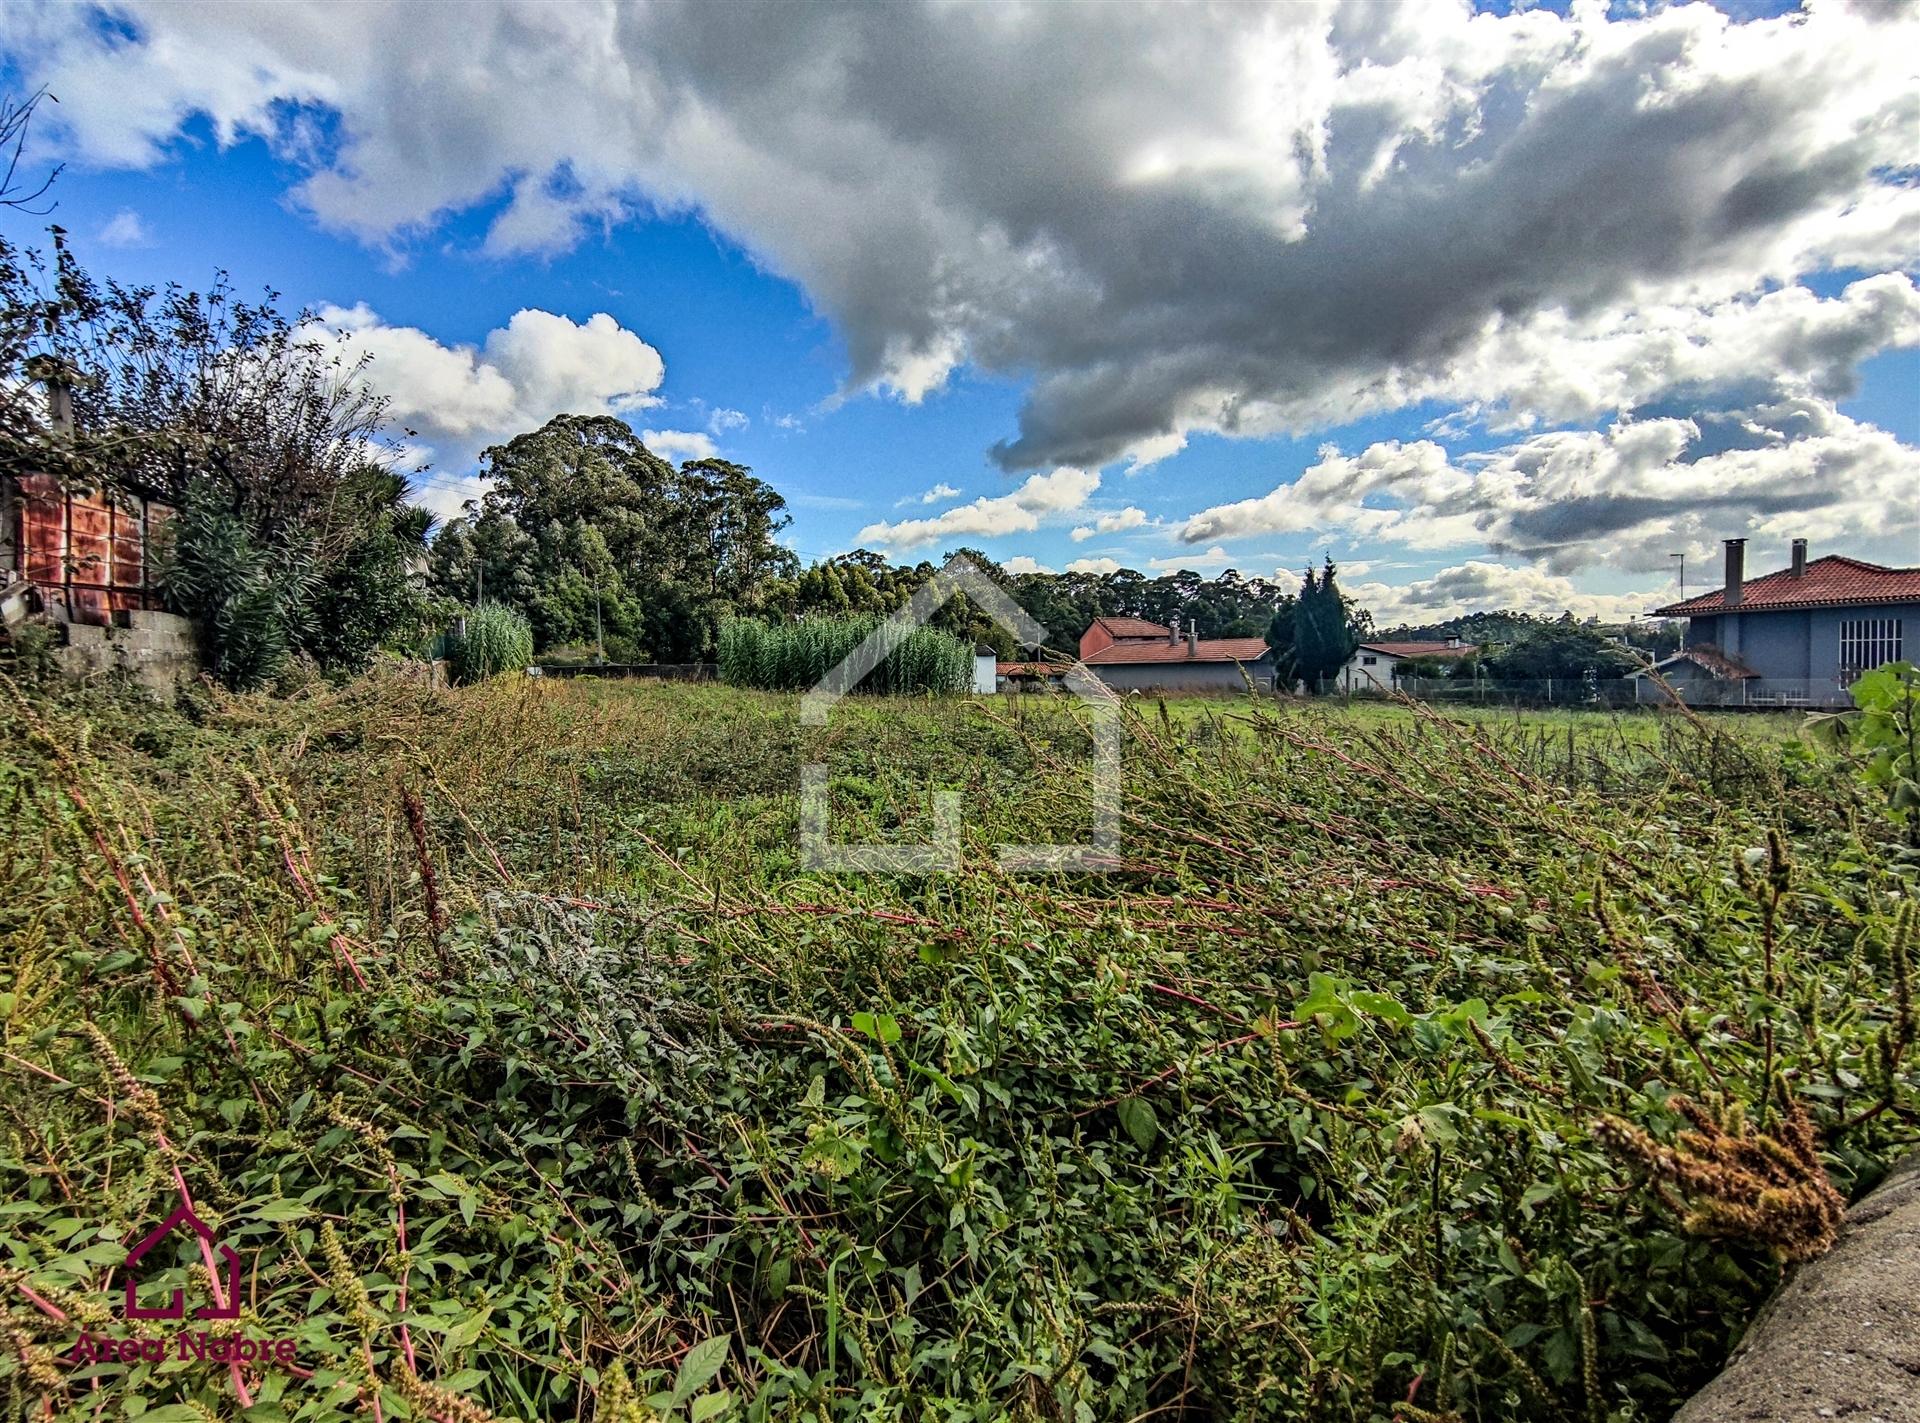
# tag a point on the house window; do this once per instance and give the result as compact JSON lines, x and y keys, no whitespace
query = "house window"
{"x":1866,"y":643}
{"x":1368,"y":661}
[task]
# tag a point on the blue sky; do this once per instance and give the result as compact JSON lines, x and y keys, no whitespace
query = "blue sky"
{"x":877,"y":349}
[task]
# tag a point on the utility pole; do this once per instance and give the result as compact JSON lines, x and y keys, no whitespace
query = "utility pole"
{"x":1684,"y":622}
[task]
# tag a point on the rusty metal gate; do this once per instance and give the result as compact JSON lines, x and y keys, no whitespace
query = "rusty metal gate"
{"x":92,"y":553}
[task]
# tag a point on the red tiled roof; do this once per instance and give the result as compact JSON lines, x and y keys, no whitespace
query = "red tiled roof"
{"x":1418,"y":649}
{"x":1133,"y":627}
{"x":1710,"y":659}
{"x":1212,"y":649}
{"x":1830,"y":582}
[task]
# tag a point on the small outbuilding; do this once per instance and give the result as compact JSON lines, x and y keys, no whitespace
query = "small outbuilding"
{"x":1702,"y":676}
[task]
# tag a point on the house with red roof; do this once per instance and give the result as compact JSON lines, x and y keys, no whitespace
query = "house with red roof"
{"x":1132,"y":654}
{"x":1796,"y":637}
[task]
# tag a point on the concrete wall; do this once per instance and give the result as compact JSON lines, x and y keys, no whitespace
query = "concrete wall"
{"x":1801,"y":643}
{"x":986,"y":674}
{"x":1841,"y":1338}
{"x":1777,"y":645}
{"x":1182,"y":677}
{"x":157,"y":650}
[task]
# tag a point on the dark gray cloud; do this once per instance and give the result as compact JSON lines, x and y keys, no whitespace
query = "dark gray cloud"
{"x":1174,"y":218}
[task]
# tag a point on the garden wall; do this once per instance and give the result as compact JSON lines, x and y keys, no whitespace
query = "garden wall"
{"x":1841,"y":1338}
{"x":157,"y":650}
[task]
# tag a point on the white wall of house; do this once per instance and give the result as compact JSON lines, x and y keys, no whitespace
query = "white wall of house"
{"x":1368,"y":671}
{"x":985,"y":674}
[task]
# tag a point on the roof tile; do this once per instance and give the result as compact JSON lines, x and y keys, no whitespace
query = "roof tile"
{"x":1133,"y":627}
{"x":1211,"y":649}
{"x":1833,"y":581}
{"x":1418,"y":649}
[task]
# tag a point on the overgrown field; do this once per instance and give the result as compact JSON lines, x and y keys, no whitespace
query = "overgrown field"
{"x":1401,"y":1069}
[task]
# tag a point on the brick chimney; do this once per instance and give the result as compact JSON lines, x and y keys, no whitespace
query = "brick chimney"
{"x":1173,"y":632}
{"x":1736,"y":573}
{"x":1799,"y":558}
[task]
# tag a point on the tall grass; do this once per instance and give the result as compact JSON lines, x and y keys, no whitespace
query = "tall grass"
{"x":791,"y":657}
{"x":496,"y":640}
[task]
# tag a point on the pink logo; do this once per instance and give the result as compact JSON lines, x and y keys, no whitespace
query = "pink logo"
{"x":176,"y":1308}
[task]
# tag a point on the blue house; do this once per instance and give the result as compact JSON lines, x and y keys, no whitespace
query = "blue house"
{"x":1798,"y":637}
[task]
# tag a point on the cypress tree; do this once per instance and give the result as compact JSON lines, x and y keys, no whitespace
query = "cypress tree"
{"x":1323,"y":634}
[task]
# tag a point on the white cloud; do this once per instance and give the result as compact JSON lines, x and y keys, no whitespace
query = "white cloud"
{"x":929,"y":496}
{"x":1236,"y":219}
{"x":1477,"y":586}
{"x":1116,"y":522}
{"x":1041,"y":496}
{"x":1328,"y":495}
{"x":126,"y":228}
{"x":723,"y":420}
{"x":1627,"y":495}
{"x":1556,"y":369}
{"x":1214,"y":560}
{"x":461,"y":398}
{"x":1094,"y":565}
{"x":1021,"y":563}
{"x":677,"y":445}
{"x":443,"y":495}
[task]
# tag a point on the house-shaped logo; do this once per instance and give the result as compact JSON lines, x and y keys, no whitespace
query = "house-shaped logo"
{"x":210,"y":1249}
{"x":818,"y":851}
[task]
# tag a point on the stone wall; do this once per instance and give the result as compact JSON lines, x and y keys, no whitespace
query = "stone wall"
{"x":156,"y":650}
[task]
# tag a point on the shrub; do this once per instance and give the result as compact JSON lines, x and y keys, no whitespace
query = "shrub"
{"x":250,"y":598}
{"x":496,"y":640}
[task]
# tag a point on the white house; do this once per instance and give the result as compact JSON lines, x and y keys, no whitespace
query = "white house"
{"x":1373,"y":666}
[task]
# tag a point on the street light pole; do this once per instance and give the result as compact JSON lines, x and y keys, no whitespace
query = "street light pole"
{"x":1683,"y":596}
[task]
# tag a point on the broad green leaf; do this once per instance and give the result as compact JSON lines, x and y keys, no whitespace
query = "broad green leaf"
{"x":1140,"y":1120}
{"x":702,"y":1362}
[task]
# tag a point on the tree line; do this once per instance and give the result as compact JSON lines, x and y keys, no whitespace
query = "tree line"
{"x":295,"y":544}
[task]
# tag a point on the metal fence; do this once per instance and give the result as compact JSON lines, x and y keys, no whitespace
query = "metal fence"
{"x":1753,"y":694}
{"x":657,"y":671}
